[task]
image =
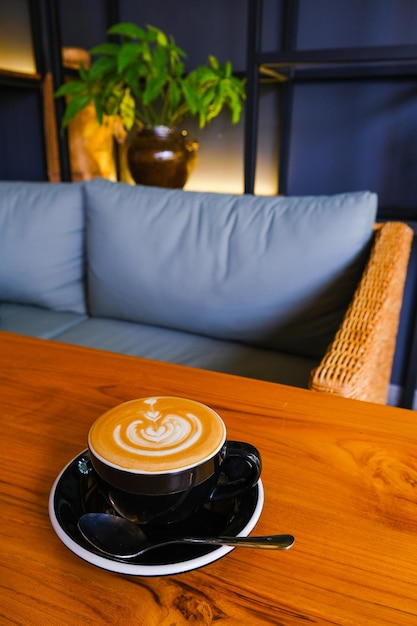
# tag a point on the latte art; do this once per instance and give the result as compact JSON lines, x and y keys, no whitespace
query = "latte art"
{"x":160,"y":434}
{"x":167,"y":435}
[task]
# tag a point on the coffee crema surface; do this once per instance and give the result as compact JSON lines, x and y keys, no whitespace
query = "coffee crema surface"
{"x":157,"y":435}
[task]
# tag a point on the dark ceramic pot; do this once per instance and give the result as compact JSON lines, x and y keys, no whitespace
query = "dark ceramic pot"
{"x":161,"y":157}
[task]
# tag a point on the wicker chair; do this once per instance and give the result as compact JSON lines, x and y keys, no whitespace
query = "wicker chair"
{"x":358,"y":363}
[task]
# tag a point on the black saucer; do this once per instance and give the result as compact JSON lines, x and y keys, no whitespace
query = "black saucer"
{"x":76,"y":491}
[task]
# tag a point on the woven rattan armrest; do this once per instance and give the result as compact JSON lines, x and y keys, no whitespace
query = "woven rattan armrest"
{"x":358,"y":362}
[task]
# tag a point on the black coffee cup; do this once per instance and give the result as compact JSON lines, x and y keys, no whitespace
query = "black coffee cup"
{"x":161,"y":459}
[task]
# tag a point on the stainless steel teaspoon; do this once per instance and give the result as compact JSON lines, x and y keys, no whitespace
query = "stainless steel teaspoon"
{"x":118,"y":537}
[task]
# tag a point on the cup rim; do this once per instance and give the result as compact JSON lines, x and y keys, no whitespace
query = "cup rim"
{"x":140,"y":472}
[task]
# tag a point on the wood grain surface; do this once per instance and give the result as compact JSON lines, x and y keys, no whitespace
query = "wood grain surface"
{"x":341,"y":475}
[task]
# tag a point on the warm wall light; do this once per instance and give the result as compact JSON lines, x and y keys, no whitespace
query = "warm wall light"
{"x":220,"y":165}
{"x":213,"y":177}
{"x":220,"y":161}
{"x":16,"y":46}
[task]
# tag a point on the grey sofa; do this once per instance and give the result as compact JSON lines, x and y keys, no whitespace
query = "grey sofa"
{"x":253,"y":286}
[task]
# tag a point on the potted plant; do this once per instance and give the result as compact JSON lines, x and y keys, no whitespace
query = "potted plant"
{"x":142,"y":85}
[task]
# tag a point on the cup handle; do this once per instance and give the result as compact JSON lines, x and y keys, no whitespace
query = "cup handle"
{"x":240,"y":470}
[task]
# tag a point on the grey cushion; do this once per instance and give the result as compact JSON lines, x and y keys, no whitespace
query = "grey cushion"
{"x":42,"y":245}
{"x":183,"y":348}
{"x":272,"y":272}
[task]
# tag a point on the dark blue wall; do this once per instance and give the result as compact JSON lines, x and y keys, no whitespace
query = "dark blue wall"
{"x":201,"y":28}
{"x":355,"y":135}
{"x":344,"y":134}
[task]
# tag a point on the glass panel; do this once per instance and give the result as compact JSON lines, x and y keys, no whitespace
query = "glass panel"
{"x":330,"y":24}
{"x":16,"y":46}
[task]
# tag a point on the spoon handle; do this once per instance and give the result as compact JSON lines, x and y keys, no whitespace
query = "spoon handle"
{"x":269,"y":542}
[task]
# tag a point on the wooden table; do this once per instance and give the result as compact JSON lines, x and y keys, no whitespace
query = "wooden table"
{"x":340,"y":475}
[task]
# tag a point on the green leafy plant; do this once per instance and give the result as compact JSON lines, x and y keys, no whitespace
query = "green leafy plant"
{"x":142,"y":82}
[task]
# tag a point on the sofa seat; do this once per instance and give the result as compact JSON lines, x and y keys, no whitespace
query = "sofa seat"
{"x":35,"y":321}
{"x":157,"y":343}
{"x":183,"y":348}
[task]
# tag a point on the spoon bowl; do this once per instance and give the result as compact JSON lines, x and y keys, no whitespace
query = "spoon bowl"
{"x":118,"y":537}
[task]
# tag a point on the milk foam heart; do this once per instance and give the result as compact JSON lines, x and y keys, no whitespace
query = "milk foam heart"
{"x":158,"y":434}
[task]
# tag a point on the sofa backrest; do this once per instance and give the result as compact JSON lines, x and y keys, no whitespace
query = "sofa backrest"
{"x":42,"y":245}
{"x":275,"y":272}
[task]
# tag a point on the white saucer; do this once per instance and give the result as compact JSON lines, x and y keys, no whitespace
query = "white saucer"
{"x":75,"y":491}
